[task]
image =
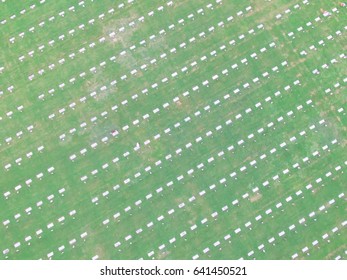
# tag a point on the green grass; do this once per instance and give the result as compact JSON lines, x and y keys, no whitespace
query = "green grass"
{"x":241,"y":112}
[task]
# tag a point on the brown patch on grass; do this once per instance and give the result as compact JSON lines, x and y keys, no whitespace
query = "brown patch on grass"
{"x":104,"y":94}
{"x":335,"y":252}
{"x":100,"y":251}
{"x":255,"y":197}
{"x":122,"y":37}
{"x":162,"y":255}
{"x":269,"y":11}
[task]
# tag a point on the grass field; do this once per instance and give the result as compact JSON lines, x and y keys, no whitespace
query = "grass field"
{"x":173,"y":129}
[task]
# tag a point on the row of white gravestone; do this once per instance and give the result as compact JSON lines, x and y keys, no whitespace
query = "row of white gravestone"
{"x":126,"y":154}
{"x":38,"y":206}
{"x":198,"y":139}
{"x":228,"y":122}
{"x":126,"y":127}
{"x":318,"y":180}
{"x":63,"y":14}
{"x":24,"y":11}
{"x":311,"y":25}
{"x":222,"y":181}
{"x":325,"y":66}
{"x":124,"y":77}
{"x":165,"y":104}
{"x":322,"y":43}
{"x":134,"y":97}
{"x":81,"y":27}
{"x":295,"y":7}
{"x":326,"y":237}
{"x":52,"y":116}
{"x":29,"y":182}
{"x":112,"y":83}
{"x":74,"y":157}
{"x":126,"y":208}
{"x":265,"y":184}
{"x":279,"y":205}
{"x":282,"y":232}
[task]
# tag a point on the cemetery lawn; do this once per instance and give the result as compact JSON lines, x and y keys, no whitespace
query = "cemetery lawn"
{"x":173,"y":129}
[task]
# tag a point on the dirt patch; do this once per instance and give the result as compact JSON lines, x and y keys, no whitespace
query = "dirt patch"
{"x":113,"y":29}
{"x":162,"y":254}
{"x":100,"y":251}
{"x":255,"y":197}
{"x":333,"y":254}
